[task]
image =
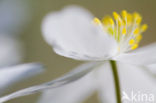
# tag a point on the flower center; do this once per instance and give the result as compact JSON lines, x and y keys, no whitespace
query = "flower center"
{"x":125,"y":28}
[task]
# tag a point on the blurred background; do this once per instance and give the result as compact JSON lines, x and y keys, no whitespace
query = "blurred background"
{"x":31,"y":14}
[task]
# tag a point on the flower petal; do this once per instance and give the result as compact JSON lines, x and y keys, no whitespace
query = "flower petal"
{"x":142,"y":56}
{"x":70,"y":77}
{"x":72,"y":34}
{"x":16,"y":73}
{"x":151,"y":69}
{"x":133,"y":79}
{"x":106,"y":84}
{"x":74,"y":92}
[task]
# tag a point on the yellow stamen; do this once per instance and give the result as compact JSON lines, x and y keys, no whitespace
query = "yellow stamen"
{"x":134,"y":46}
{"x":107,"y":21}
{"x":124,"y":31}
{"x":116,"y":15}
{"x":111,"y":21}
{"x":120,"y":22}
{"x":118,"y":18}
{"x":126,"y":26}
{"x":136,"y":31}
{"x":144,"y":27}
{"x":131,"y":42}
{"x":96,"y":21}
{"x":138,"y":38}
{"x":124,"y":14}
{"x":137,"y":17}
{"x":129,"y":18}
{"x":110,"y":30}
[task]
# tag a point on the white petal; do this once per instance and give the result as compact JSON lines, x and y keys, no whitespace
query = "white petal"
{"x":106,"y":84}
{"x":74,"y":92}
{"x":137,"y":80}
{"x":142,"y":56}
{"x":151,"y":69}
{"x":133,"y":79}
{"x":68,"y":78}
{"x":72,"y":34}
{"x":9,"y":75}
{"x":10,"y":51}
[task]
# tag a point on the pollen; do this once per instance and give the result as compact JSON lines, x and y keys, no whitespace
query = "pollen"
{"x":129,"y":19}
{"x":96,"y":21}
{"x":116,"y":15}
{"x":137,"y":18}
{"x":124,"y":31}
{"x":108,"y":21}
{"x":144,"y":27}
{"x":124,"y":14}
{"x":136,"y":31}
{"x":138,"y":38}
{"x":134,"y":46}
{"x":131,"y":42}
{"x":111,"y":21}
{"x":126,"y":28}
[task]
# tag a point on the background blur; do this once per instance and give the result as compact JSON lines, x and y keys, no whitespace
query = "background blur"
{"x":37,"y":50}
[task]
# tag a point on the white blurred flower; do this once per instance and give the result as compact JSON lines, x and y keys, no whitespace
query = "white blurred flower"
{"x":75,"y":33}
{"x":10,"y":55}
{"x":12,"y":74}
{"x":132,"y":78}
{"x":14,"y":15}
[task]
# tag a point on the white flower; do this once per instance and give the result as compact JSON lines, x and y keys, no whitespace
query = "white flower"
{"x":13,"y":17}
{"x":13,"y":14}
{"x":75,"y":33}
{"x":10,"y":56}
{"x":132,"y":78}
{"x":12,"y":74}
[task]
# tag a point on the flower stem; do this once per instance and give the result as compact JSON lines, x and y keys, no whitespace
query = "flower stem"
{"x":116,"y":81}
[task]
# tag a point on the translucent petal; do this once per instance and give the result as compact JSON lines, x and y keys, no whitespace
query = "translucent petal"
{"x":105,"y":84}
{"x":75,"y":92}
{"x":152,"y":68}
{"x":68,"y":78}
{"x":133,"y":80}
{"x":72,"y":34}
{"x":142,"y":56}
{"x":16,"y":73}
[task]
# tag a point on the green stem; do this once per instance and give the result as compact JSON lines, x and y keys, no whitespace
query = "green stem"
{"x":116,"y":81}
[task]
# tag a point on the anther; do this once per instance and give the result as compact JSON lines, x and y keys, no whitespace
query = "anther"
{"x":137,"y":17}
{"x":138,"y":38}
{"x":124,"y":31}
{"x":134,"y":46}
{"x":116,"y":15}
{"x":124,"y":14}
{"x":144,"y":27}
{"x":131,"y":42}
{"x":96,"y":21}
{"x":136,"y":31}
